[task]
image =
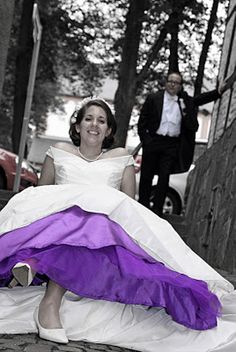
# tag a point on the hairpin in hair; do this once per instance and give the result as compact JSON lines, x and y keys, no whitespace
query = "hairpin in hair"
{"x":87,"y":100}
{"x":83,"y":102}
{"x":73,"y":119}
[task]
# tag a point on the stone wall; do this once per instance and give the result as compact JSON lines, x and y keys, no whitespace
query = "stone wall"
{"x":224,"y":112}
{"x":210,"y":212}
{"x":211,"y":206}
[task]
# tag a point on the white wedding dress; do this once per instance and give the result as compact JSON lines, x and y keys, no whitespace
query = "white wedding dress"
{"x":94,"y":187}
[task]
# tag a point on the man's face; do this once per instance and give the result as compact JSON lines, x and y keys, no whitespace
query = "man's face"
{"x":174,"y":84}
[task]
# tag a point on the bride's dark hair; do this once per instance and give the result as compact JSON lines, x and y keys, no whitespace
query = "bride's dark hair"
{"x":78,"y":115}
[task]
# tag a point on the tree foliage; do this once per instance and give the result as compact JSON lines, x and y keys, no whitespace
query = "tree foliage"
{"x":134,"y":42}
{"x":154,"y":46}
{"x":62,"y":56}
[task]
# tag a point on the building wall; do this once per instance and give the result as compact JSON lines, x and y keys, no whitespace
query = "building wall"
{"x":224,"y":112}
{"x":211,"y":207}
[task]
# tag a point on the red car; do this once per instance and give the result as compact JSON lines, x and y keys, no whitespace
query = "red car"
{"x":8,"y":162}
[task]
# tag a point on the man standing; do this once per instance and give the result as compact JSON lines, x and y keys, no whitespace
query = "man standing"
{"x":167,"y":128}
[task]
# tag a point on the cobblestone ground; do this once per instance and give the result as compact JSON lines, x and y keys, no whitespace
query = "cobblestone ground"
{"x":32,"y":343}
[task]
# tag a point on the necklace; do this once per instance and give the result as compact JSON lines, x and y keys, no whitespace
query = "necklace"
{"x":87,"y":159}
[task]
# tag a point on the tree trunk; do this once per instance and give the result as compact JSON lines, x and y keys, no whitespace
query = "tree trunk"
{"x":6,"y":16}
{"x":174,"y":44}
{"x":23,"y":61}
{"x":125,"y":94}
{"x":129,"y":80}
{"x":205,"y":48}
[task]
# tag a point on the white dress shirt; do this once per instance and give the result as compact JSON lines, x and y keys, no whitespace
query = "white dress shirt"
{"x":171,"y":117}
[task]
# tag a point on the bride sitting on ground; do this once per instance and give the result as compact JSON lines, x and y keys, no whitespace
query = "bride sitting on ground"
{"x":81,"y":231}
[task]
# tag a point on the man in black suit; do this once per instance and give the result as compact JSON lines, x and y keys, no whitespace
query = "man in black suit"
{"x":167,"y":128}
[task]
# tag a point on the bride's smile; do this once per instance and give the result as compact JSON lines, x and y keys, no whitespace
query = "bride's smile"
{"x":93,"y":125}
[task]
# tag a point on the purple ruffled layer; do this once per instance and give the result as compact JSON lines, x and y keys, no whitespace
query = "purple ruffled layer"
{"x":92,"y":256}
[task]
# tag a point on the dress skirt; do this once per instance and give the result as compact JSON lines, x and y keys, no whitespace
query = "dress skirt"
{"x":94,"y":256}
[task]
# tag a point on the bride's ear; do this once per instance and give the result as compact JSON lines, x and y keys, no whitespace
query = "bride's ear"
{"x":108,"y":132}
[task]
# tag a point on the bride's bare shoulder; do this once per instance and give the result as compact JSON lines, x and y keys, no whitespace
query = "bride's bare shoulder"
{"x":68,"y":147}
{"x":112,"y":153}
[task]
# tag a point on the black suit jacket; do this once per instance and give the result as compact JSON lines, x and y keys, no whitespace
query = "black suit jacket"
{"x":150,"y":119}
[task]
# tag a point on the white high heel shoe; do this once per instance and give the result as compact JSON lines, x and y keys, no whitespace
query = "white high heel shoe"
{"x":23,"y":274}
{"x":55,"y":335}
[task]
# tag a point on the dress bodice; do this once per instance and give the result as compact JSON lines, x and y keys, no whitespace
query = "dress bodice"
{"x":70,"y":168}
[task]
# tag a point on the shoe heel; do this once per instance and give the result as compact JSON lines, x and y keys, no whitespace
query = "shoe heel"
{"x":12,"y":283}
{"x":23,"y":274}
{"x":55,"y":335}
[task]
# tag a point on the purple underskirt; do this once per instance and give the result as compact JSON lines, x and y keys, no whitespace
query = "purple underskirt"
{"x":92,"y":256}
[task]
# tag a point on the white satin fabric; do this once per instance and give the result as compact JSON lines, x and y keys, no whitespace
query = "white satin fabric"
{"x":71,"y":169}
{"x":134,"y":327}
{"x":117,"y":324}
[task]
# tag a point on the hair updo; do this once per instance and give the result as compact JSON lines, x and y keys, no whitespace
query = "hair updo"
{"x":78,"y":115}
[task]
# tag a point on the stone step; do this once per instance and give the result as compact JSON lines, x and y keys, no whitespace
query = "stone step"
{"x":231,"y":277}
{"x":5,"y":196}
{"x":178,"y":223}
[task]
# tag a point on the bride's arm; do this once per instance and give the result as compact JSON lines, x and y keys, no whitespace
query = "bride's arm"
{"x":128,"y":184}
{"x":47,"y":176}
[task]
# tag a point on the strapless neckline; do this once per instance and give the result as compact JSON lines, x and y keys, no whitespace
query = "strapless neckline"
{"x":89,"y":162}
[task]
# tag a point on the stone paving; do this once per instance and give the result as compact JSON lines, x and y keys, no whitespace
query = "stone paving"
{"x":32,"y":343}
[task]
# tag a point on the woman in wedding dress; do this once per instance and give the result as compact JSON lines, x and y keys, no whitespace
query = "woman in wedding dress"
{"x":115,"y":272}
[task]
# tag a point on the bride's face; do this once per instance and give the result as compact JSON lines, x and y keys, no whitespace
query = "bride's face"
{"x":93,"y":128}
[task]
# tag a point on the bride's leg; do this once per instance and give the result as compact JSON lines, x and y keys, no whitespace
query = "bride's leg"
{"x":49,"y":316}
